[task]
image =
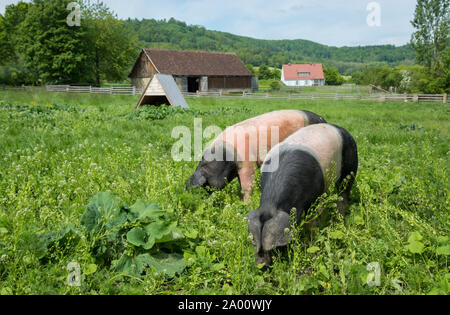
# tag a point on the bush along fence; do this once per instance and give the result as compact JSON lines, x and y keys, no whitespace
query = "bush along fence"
{"x":442,"y":98}
{"x":122,"y":90}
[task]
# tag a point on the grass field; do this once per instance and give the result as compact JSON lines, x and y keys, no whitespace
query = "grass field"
{"x":57,"y":151}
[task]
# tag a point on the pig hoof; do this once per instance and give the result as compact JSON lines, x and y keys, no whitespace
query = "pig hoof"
{"x":266,"y":260}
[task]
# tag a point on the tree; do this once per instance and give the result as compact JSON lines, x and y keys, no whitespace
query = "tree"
{"x":251,"y":69}
{"x":111,"y":46}
{"x":52,"y":50}
{"x":332,"y":76}
{"x":5,"y":47}
{"x":14,"y":16}
{"x":264,"y":73}
{"x":431,"y":21}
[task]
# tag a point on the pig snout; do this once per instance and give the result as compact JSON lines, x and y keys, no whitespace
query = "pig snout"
{"x":196,"y":180}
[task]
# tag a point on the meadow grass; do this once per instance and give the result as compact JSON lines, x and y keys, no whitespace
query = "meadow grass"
{"x":59,"y":150}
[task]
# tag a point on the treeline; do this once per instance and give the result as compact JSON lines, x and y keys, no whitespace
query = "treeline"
{"x":41,"y":42}
{"x":173,"y":34}
{"x":407,"y":79}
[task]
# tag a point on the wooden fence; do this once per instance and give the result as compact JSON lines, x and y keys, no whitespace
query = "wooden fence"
{"x":121,"y":90}
{"x":442,"y":98}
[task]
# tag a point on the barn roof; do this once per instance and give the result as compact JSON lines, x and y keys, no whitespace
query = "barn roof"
{"x":291,"y":72}
{"x":196,"y":63}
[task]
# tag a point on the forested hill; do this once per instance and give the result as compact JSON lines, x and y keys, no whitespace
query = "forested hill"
{"x":173,"y":34}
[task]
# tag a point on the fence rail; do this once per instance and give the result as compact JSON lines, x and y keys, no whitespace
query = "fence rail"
{"x":442,"y":98}
{"x":122,"y":90}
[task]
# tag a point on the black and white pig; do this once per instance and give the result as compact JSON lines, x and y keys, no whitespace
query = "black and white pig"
{"x":294,"y":174}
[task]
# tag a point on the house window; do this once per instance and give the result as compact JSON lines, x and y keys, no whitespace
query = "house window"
{"x":304,"y":74}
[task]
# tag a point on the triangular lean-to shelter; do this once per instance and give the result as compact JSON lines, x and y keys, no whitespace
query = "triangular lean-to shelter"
{"x":162,"y":89}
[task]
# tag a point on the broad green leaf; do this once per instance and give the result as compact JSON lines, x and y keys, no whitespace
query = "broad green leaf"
{"x":133,"y":266}
{"x":359,"y":220}
{"x":103,"y":212}
{"x":143,"y":210}
{"x":169,"y":264}
{"x":313,"y":250}
{"x":3,"y":231}
{"x":415,"y":236}
{"x":201,"y":251}
{"x":162,"y":232}
{"x":337,"y":235}
{"x":443,"y":240}
{"x":192,"y":234}
{"x":138,"y":237}
{"x":415,"y":247}
{"x":62,"y":241}
{"x":324,"y":272}
{"x":90,"y":269}
{"x":443,"y":250}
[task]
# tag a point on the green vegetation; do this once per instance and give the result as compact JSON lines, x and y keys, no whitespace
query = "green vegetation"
{"x":333,"y":77}
{"x":41,"y":48}
{"x":68,"y":161}
{"x":173,"y":34}
{"x":432,"y":24}
{"x":432,"y":46}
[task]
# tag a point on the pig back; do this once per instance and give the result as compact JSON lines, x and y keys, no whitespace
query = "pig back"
{"x":325,"y":143}
{"x":252,"y":139}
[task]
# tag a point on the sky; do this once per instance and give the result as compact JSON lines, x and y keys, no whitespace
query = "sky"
{"x":330,"y":22}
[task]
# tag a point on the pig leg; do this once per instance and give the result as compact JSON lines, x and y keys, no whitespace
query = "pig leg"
{"x":342,"y":204}
{"x":246,"y":176}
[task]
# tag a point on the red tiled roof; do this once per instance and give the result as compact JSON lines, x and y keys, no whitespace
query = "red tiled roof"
{"x":184,"y":63}
{"x":291,"y":72}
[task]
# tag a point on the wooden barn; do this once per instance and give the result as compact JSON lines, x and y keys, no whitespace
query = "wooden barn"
{"x":193,"y":70}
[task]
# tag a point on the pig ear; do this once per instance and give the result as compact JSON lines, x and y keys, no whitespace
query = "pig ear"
{"x":255,"y":227}
{"x":277,"y":231}
{"x":202,"y":180}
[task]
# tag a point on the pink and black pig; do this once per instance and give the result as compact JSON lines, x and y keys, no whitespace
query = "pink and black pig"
{"x":242,"y":148}
{"x":305,"y":163}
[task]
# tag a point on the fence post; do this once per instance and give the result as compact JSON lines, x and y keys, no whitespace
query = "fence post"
{"x":90,"y":89}
{"x":444,"y":98}
{"x":198,"y":93}
{"x":111,"y":90}
{"x":416,"y":98}
{"x":134,"y":90}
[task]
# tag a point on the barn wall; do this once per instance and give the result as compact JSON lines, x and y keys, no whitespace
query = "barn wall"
{"x":140,"y":83}
{"x":143,"y":72}
{"x":234,"y":83}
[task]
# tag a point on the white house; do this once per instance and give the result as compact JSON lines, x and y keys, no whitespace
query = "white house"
{"x":303,"y":75}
